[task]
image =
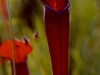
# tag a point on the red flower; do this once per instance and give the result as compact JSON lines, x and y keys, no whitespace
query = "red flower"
{"x":20,"y":55}
{"x":20,"y":50}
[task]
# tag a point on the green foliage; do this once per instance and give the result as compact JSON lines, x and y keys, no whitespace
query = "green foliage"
{"x":38,"y":60}
{"x":84,"y":52}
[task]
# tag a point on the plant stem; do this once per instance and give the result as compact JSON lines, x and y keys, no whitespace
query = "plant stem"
{"x":57,"y":31}
{"x":21,"y":68}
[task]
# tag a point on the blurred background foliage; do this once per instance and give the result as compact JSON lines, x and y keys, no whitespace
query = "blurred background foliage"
{"x":84,"y":53}
{"x":27,"y":20}
{"x":84,"y":48}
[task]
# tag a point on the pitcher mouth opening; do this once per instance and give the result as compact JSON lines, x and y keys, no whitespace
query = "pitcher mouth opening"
{"x":57,"y":11}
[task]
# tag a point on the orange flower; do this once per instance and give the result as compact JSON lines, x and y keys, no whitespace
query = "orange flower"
{"x":20,"y":50}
